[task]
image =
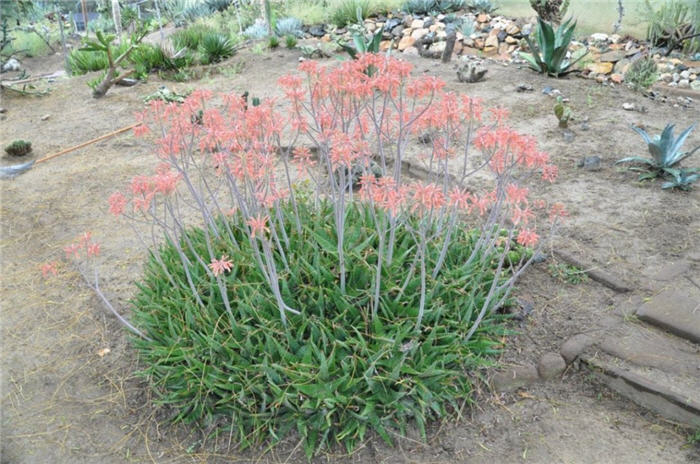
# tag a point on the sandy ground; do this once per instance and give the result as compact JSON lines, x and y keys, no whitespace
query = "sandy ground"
{"x":62,"y":402}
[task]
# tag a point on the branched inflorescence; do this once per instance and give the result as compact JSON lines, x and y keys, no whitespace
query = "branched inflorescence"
{"x":342,"y":128}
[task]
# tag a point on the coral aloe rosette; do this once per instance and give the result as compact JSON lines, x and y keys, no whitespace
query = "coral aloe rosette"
{"x":341,"y":296}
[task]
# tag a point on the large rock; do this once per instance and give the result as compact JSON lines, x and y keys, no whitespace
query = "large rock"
{"x":612,"y":56}
{"x":676,"y":311}
{"x":418,"y":34}
{"x":406,"y":42}
{"x":514,"y":378}
{"x":574,"y":346}
{"x":491,"y":41}
{"x":551,"y":365}
{"x":417,"y":24}
{"x":600,"y":68}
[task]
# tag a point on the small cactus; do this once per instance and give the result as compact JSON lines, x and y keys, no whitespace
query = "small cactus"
{"x":18,"y":148}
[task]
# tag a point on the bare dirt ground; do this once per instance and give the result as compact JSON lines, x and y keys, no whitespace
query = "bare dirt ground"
{"x":62,"y":402}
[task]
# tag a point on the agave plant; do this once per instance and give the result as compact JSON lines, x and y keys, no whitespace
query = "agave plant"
{"x":682,"y":179}
{"x":665,"y":152}
{"x":549,"y":55}
{"x":215,"y":47}
{"x":363,"y":44}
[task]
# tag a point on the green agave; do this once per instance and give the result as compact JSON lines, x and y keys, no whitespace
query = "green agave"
{"x":549,"y":55}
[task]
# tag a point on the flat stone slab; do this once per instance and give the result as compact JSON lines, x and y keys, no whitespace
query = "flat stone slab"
{"x":650,"y":367}
{"x":677,"y":311}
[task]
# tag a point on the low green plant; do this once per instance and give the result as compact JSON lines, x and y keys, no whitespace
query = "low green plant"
{"x":483,"y":6}
{"x":432,"y":6}
{"x":344,"y":12}
{"x":549,"y":54}
{"x":18,"y":148}
{"x":256,"y":31}
{"x":642,"y":74}
{"x":191,"y":37}
{"x":289,"y":27}
{"x":563,"y":113}
{"x":665,"y":152}
{"x":308,"y":11}
{"x":673,"y":25}
{"x":215,"y":47}
{"x":568,"y":273}
{"x":467,"y":27}
{"x":681,"y":179}
{"x":290,"y":41}
{"x":273,"y":41}
{"x":332,"y":375}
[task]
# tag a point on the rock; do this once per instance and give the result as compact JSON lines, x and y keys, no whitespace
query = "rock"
{"x":622,"y":66}
{"x":612,"y":57}
{"x":590,"y":163}
{"x":483,"y":18}
{"x":427,"y":22}
{"x":551,"y":365}
{"x":45,"y":117}
{"x":470,"y":72}
{"x":675,"y":311}
{"x":490,"y":51}
{"x":514,"y":378}
{"x":628,"y":106}
{"x":491,"y":41}
{"x":524,"y":88}
{"x":685,"y":74}
{"x":418,"y":34}
{"x":695,"y":85}
{"x":3,"y":110}
{"x":406,"y":42}
{"x":397,"y":31}
{"x":417,"y":24}
{"x":391,"y":24}
{"x":574,"y":346}
{"x":599,"y":37}
{"x":512,"y":29}
{"x":385,"y":45}
{"x":617,"y":78}
{"x":437,"y":48}
{"x":318,"y":30}
{"x":615,"y":38}
{"x":11,"y":65}
{"x":600,"y":68}
{"x":411,"y":51}
{"x":684,"y":84}
{"x":666,"y":77}
{"x":676,"y":77}
{"x":568,"y":135}
{"x":127,"y":82}
{"x":511,"y":40}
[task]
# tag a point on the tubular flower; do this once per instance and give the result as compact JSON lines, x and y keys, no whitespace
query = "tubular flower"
{"x":221,"y":265}
{"x":49,"y":268}
{"x":258,"y":225}
{"x":528,"y":238}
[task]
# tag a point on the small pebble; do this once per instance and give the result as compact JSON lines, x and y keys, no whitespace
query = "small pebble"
{"x":45,"y":117}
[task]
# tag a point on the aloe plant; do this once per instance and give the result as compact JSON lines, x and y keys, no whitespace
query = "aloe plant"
{"x":549,"y":55}
{"x":665,"y":152}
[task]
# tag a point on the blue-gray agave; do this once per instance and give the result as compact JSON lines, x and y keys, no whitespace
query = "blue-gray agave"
{"x":665,"y":151}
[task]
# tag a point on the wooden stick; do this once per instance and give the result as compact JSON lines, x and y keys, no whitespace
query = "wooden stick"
{"x":89,"y":142}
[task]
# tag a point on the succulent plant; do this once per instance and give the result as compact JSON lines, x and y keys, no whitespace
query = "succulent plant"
{"x":549,"y":55}
{"x":681,"y":179}
{"x":18,"y":148}
{"x":665,"y":151}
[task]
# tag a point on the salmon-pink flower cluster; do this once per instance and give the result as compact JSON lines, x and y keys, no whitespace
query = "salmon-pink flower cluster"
{"x":226,"y":160}
{"x":83,"y":243}
{"x":221,"y":265}
{"x":50,"y":268}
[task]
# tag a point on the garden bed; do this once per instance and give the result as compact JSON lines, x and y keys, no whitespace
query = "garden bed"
{"x":70,"y":393}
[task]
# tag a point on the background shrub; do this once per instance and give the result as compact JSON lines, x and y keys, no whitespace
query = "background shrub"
{"x":344,"y":12}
